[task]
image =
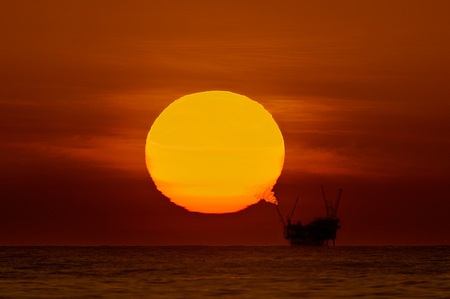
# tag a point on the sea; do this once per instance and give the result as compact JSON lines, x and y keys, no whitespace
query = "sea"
{"x":225,"y":272}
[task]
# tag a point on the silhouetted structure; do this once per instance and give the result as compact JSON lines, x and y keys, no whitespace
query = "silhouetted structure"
{"x":319,"y":231}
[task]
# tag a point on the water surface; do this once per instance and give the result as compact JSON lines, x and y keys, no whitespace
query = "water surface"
{"x":225,"y":272}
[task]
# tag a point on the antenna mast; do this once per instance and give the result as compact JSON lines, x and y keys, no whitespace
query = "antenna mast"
{"x":293,"y":209}
{"x":336,"y":204}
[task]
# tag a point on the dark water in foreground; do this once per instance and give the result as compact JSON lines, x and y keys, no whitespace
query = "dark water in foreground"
{"x":225,"y":272}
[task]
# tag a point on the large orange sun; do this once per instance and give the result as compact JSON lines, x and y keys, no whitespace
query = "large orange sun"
{"x":215,"y":152}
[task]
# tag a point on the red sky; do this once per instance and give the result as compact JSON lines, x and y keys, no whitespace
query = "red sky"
{"x":359,"y":89}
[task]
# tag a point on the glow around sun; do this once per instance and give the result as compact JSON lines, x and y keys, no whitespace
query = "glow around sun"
{"x":215,"y":152}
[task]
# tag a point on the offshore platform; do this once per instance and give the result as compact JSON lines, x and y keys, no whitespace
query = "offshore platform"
{"x":320,"y":231}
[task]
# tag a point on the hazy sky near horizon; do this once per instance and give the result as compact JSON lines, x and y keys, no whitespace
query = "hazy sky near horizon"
{"x":359,"y":90}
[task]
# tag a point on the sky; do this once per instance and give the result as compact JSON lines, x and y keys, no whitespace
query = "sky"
{"x":359,"y":90}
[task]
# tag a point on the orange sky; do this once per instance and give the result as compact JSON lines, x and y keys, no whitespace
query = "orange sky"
{"x":359,"y":90}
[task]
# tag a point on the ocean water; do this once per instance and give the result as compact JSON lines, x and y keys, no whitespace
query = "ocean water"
{"x":225,"y":272}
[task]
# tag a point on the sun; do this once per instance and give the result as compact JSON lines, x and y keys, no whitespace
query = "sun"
{"x":215,"y":152}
